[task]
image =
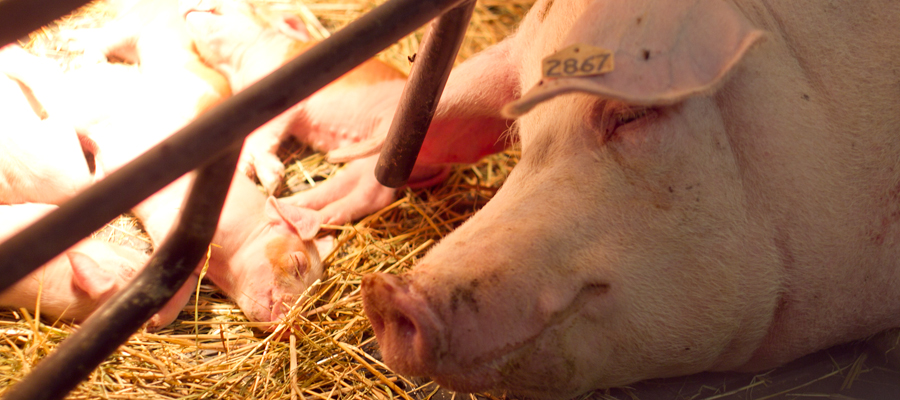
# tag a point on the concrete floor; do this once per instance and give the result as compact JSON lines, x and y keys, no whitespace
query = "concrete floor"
{"x":817,"y":376}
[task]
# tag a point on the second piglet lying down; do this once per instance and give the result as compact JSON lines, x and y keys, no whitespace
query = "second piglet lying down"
{"x":246,"y":42}
{"x":74,"y":284}
{"x":347,"y":118}
{"x":264,"y":254}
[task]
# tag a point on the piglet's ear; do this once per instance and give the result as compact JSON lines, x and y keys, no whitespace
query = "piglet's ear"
{"x":89,"y":276}
{"x":663,"y":51}
{"x":305,"y":221}
{"x":324,"y":246}
{"x":289,"y":24}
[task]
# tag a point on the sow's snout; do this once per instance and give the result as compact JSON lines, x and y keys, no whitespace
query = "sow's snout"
{"x":469,"y":346}
{"x":409,"y":332}
{"x":413,"y":338}
{"x":475,"y":316}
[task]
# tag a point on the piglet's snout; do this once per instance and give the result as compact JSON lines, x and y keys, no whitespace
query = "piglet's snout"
{"x":281,"y":308}
{"x":408,"y":331}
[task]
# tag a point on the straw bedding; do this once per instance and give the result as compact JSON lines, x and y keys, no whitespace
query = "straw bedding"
{"x":211,"y":351}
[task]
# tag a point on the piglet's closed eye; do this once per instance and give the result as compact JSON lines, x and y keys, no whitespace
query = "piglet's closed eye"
{"x":305,"y":221}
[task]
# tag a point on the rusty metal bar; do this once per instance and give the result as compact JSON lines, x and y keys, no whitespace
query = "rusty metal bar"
{"x":168,"y":269}
{"x":18,"y":18}
{"x":212,"y":133}
{"x":423,"y":90}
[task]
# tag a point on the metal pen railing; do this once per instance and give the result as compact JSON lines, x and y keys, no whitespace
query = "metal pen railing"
{"x":211,"y":145}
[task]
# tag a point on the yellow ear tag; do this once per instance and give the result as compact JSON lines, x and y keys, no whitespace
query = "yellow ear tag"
{"x":578,"y":60}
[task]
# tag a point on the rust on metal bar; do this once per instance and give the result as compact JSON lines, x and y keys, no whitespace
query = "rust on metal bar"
{"x":167,"y":270}
{"x":423,"y":90}
{"x":213,"y":132}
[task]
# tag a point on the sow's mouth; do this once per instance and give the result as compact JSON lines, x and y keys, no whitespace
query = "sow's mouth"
{"x":415,"y":341}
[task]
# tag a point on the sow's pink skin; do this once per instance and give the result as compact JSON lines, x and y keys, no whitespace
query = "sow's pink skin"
{"x":727,"y":198}
{"x":245,"y":43}
{"x":74,"y":284}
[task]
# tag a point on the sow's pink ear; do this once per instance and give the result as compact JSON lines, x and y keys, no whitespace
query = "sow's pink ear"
{"x":89,"y":276}
{"x":664,"y":51}
{"x":305,"y":221}
{"x":467,"y":124}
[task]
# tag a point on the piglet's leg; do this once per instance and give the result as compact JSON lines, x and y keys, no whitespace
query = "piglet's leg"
{"x":352,"y":193}
{"x":258,"y":156}
{"x":170,"y":311}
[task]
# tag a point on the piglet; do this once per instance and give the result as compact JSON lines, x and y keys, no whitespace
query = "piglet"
{"x":72,"y":285}
{"x":77,"y":97}
{"x":264,"y":254}
{"x":42,"y":160}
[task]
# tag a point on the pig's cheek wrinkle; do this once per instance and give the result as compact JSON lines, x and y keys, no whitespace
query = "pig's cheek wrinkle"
{"x":590,"y":302}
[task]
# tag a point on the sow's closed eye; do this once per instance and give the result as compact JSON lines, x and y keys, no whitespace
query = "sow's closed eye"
{"x":609,"y":118}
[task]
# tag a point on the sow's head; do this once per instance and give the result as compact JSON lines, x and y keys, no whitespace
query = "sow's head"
{"x":618,"y":248}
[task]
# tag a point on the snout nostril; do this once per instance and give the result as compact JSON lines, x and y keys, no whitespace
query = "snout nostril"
{"x":376,"y":320}
{"x":390,"y":310}
{"x":406,"y":328}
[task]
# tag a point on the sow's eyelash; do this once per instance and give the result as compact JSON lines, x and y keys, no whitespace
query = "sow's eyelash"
{"x":629,"y":115}
{"x":608,"y":116}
